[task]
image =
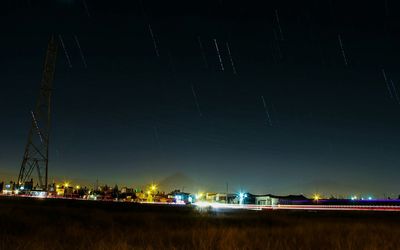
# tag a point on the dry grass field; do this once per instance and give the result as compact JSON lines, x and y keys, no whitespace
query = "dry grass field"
{"x":66,"y":224}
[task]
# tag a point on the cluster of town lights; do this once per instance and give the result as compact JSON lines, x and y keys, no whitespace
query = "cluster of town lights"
{"x":200,"y":198}
{"x":354,"y":198}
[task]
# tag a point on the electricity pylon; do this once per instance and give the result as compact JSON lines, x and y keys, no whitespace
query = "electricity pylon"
{"x":36,"y":154}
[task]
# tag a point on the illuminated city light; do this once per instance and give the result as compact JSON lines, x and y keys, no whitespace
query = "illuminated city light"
{"x":241,"y":197}
{"x":199,"y":196}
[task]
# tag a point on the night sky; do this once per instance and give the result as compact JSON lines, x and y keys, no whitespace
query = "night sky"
{"x":138,"y":114}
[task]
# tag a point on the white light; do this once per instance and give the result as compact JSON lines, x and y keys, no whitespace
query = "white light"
{"x":241,"y":197}
{"x":39,"y":194}
{"x":203,"y":204}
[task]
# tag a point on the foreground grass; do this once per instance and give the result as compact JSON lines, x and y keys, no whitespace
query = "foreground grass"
{"x":58,"y":224}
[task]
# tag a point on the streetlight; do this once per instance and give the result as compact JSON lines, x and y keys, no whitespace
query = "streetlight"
{"x":316,"y":197}
{"x":241,"y":197}
{"x":149,"y":196}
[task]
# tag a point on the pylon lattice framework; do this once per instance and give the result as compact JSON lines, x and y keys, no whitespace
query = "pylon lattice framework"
{"x":36,"y":154}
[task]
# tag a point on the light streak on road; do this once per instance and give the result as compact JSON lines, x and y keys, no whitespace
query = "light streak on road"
{"x":388,"y":208}
{"x":302,"y":207}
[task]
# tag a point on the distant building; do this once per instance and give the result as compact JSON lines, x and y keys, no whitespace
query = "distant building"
{"x":127,"y":190}
{"x":9,"y":188}
{"x":241,"y":198}
{"x":127,"y":197}
{"x":60,"y":190}
{"x":224,"y":198}
{"x":165,"y":199}
{"x":266,"y":200}
{"x":181,"y":197}
{"x":231,"y":198}
{"x":273,"y":200}
{"x":210,"y":197}
{"x":28,"y":185}
{"x":221,"y":198}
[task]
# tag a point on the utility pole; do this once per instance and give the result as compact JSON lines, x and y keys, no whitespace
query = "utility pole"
{"x":227,"y":192}
{"x":36,"y":154}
